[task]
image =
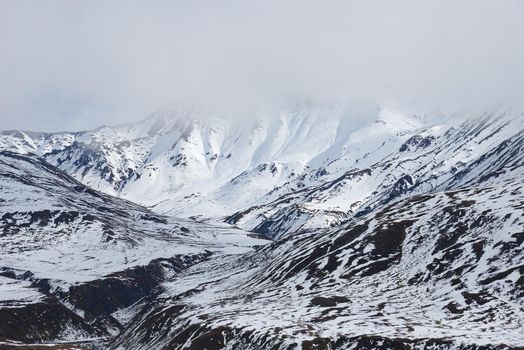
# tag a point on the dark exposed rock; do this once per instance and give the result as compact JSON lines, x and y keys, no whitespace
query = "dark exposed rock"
{"x":328,"y":301}
{"x":400,"y":187}
{"x":122,"y":289}
{"x":417,"y":142}
{"x":42,"y":321}
{"x":48,"y":319}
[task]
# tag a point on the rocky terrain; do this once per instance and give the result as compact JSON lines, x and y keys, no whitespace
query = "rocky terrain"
{"x":341,"y":226}
{"x":72,"y":256}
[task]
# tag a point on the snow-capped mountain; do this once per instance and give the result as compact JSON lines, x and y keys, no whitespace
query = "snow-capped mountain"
{"x":438,"y":157}
{"x":303,"y":166}
{"x":390,"y":230}
{"x":183,"y":162}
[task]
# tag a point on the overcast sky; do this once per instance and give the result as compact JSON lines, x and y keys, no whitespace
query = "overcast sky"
{"x":78,"y":64}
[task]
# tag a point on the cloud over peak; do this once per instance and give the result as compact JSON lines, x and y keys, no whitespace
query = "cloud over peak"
{"x":78,"y":64}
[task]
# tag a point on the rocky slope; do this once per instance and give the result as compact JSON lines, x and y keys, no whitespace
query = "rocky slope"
{"x":390,"y":230}
{"x":188,"y":162}
{"x":72,"y":256}
{"x":436,"y":158}
{"x":442,"y":270}
{"x":302,"y":166}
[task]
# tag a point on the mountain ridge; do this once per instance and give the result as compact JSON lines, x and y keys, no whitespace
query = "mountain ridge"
{"x":398,"y":231}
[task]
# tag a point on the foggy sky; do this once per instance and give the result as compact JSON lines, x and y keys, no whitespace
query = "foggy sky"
{"x":79,"y":64}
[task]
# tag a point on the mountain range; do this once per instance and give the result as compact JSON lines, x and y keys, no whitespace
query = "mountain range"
{"x":310,"y":226}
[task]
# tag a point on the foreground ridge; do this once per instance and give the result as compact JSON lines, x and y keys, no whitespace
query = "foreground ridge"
{"x":439,"y":270}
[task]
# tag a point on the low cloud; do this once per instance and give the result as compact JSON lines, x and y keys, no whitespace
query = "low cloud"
{"x":72,"y":64}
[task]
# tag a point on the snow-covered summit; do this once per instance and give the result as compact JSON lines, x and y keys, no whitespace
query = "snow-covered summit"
{"x":177,"y":159}
{"x":390,"y":230}
{"x":302,"y":165}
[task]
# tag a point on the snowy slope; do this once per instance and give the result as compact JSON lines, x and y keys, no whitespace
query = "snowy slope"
{"x":305,"y":165}
{"x":391,"y":230}
{"x":441,"y":157}
{"x":60,"y":238}
{"x":441,"y":270}
{"x":186,"y":161}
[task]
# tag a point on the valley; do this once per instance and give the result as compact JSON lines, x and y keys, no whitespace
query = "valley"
{"x":319,"y":226}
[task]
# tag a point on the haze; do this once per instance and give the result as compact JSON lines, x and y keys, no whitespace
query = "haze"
{"x":79,"y":64}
